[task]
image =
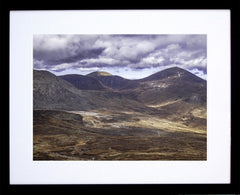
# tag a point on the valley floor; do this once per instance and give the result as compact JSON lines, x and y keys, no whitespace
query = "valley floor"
{"x":117,"y":135}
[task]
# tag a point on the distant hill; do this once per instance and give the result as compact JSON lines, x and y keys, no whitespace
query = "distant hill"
{"x":83,"y":82}
{"x":113,"y":81}
{"x":99,"y":73}
{"x":174,"y":72}
{"x":172,"y":84}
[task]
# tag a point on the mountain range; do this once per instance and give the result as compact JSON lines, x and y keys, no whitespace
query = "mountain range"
{"x":100,"y":116}
{"x":101,"y":90}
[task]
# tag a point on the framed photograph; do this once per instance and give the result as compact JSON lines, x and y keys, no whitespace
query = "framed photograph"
{"x":120,"y":97}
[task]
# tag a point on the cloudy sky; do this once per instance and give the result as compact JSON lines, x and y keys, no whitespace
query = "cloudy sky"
{"x":130,"y":56}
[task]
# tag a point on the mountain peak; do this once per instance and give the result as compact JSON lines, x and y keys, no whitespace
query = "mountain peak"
{"x":174,"y":72}
{"x":99,"y":73}
{"x":175,"y":68}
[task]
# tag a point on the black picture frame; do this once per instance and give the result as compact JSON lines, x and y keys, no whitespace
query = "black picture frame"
{"x":232,"y":188}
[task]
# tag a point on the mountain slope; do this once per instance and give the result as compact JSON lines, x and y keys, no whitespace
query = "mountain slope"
{"x":83,"y":82}
{"x":172,"y":84}
{"x":51,"y":92}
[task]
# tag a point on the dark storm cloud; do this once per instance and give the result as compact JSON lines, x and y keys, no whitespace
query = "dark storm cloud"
{"x":61,"y":52}
{"x":56,"y":57}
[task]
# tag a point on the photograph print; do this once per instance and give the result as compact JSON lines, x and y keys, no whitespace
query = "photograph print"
{"x":119,"y":97}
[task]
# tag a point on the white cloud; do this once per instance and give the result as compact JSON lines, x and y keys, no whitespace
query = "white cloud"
{"x":172,"y":47}
{"x":50,"y":42}
{"x":61,"y":67}
{"x":198,"y":62}
{"x":100,"y":60}
{"x":38,"y":64}
{"x":92,"y":69}
{"x":153,"y":60}
{"x":199,"y":73}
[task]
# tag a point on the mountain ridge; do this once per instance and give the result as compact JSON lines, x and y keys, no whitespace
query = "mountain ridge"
{"x":99,"y":73}
{"x":169,"y":72}
{"x":83,"y":92}
{"x":161,"y":74}
{"x":101,"y":80}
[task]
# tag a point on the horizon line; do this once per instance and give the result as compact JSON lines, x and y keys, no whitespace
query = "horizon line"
{"x":53,"y":72}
